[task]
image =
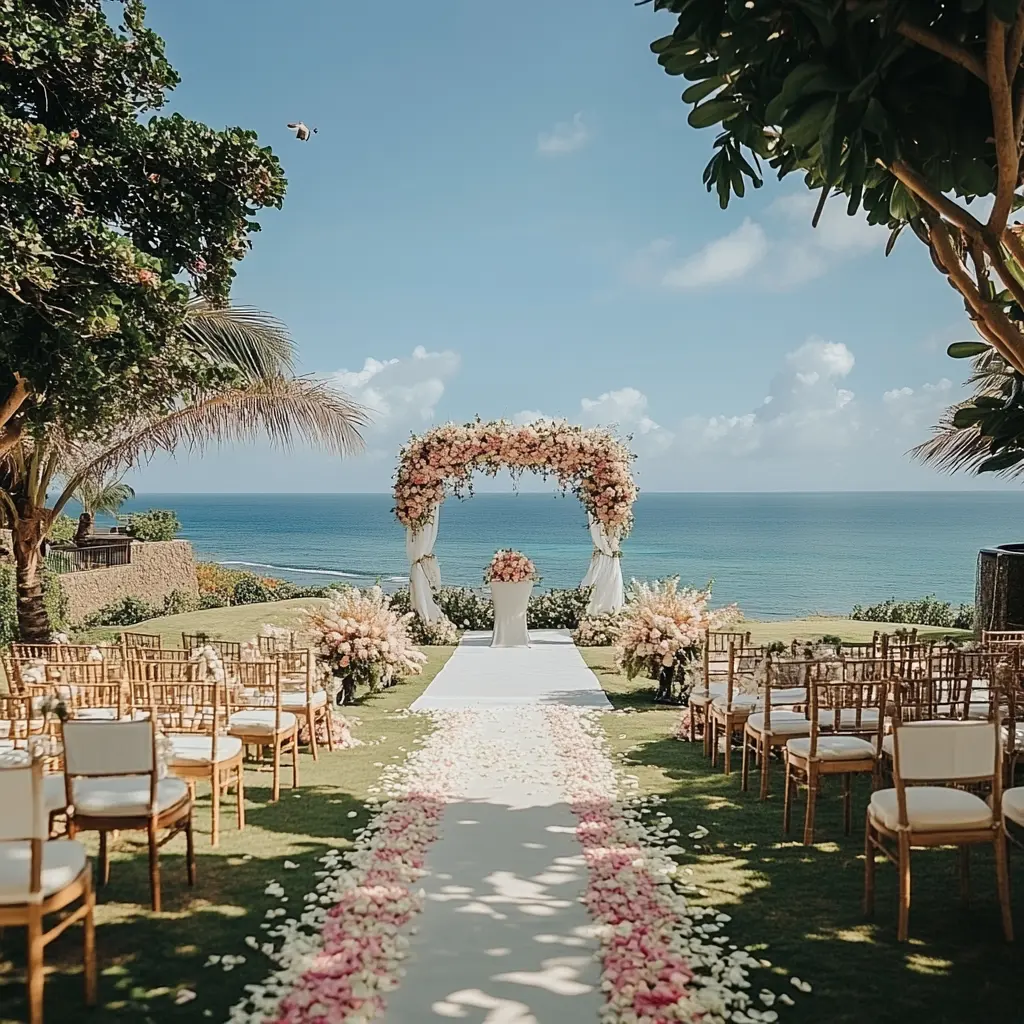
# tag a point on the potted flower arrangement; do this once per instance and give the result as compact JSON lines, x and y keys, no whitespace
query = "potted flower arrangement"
{"x":363,"y":641}
{"x":511,"y":576}
{"x":661,"y":631}
{"x":509,"y":566}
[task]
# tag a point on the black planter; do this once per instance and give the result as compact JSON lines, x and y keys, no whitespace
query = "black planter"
{"x":999,"y":589}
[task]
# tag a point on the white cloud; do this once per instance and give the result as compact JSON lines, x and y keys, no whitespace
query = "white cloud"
{"x":626,"y":409}
{"x":805,"y":411}
{"x":918,"y":409}
{"x":779,"y":251}
{"x":566,"y":137}
{"x":727,"y":258}
{"x":401,"y":394}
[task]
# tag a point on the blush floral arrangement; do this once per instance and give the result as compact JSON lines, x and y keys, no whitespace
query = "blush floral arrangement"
{"x":591,"y":462}
{"x":509,"y":566}
{"x":662,"y":629}
{"x":363,"y":640}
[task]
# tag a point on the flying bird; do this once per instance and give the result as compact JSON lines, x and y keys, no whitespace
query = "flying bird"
{"x":302,"y":133}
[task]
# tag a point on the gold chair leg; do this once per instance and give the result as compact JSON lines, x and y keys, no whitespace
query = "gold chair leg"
{"x":154,"y":869}
{"x":36,"y":971}
{"x":812,"y":804}
{"x":787,"y":800}
{"x":326,"y":712}
{"x":745,"y":764}
{"x":311,"y":724}
{"x":240,"y":793}
{"x":766,"y":750}
{"x":275,"y":791}
{"x":903,"y":930}
{"x":215,"y":807}
{"x":1003,"y":884}
{"x":869,"y":870}
{"x":89,"y":943}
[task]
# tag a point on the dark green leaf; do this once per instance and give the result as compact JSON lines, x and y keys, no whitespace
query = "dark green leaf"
{"x":697,"y":92}
{"x":968,"y":416}
{"x":967,"y":349}
{"x":1004,"y":460}
{"x":712,"y":112}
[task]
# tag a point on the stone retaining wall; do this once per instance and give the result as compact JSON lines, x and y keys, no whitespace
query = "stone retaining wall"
{"x":157,"y":568}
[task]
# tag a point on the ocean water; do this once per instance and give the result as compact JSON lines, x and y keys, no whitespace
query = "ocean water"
{"x":776,"y":555}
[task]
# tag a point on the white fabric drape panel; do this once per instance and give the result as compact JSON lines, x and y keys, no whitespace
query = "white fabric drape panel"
{"x":605,"y":572}
{"x":424,"y":572}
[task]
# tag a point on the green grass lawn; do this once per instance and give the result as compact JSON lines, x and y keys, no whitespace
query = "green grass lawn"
{"x":146,"y":958}
{"x":801,"y":907}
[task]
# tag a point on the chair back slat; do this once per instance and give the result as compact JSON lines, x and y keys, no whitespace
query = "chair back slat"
{"x":277,"y":642}
{"x":146,"y":641}
{"x":94,"y":748}
{"x":24,"y":814}
{"x":946,"y":751}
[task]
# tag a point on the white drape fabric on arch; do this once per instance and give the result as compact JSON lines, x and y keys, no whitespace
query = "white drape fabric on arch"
{"x":424,"y":572}
{"x":605,"y":572}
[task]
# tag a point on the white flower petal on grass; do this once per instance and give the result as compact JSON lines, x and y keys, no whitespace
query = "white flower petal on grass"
{"x":290,"y":865}
{"x":185,"y":995}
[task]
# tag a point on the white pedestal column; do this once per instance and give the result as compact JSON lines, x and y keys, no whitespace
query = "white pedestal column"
{"x":510,"y":601}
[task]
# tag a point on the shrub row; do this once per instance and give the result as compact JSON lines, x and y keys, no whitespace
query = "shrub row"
{"x":924,"y":611}
{"x":471,"y":609}
{"x":220,"y":587}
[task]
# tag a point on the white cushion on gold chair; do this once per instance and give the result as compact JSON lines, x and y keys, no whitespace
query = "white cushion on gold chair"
{"x":833,"y":748}
{"x":789,"y":695}
{"x":63,"y":861}
{"x":195,"y":749}
{"x":931,"y":809}
{"x":95,"y":714}
{"x":297,"y":698}
{"x":256,"y":722}
{"x":888,"y":744}
{"x":1013,"y":804}
{"x":700,"y":698}
{"x":784,"y":723}
{"x":124,"y":796}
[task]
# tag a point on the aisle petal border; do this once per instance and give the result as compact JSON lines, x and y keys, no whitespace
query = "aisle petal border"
{"x":344,"y":953}
{"x":663,"y":959}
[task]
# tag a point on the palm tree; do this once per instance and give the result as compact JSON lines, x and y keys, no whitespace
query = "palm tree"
{"x":981,"y":434}
{"x":99,"y":494}
{"x":267,"y":401}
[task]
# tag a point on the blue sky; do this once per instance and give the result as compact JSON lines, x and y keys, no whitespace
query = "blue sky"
{"x":503,"y":212}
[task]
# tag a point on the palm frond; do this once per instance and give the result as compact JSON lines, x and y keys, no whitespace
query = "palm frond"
{"x":103,"y":494}
{"x":953,"y":449}
{"x":255,"y":343}
{"x":283,"y":411}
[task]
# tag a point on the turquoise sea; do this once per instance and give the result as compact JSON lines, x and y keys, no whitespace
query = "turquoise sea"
{"x":777,"y":555}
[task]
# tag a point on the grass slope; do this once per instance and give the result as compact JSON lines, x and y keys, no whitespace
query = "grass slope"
{"x":145,"y":959}
{"x":801,"y":907}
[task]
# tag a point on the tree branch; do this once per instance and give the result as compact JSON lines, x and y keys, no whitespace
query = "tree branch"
{"x":955,"y":214}
{"x":931,"y":41}
{"x":14,"y":401}
{"x":1007,"y":340}
{"x":1015,"y":48}
{"x":1007,"y":152}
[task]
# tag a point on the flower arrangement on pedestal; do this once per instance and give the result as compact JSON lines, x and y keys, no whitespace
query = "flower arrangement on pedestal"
{"x":661,"y":632}
{"x":363,"y":640}
{"x":509,"y":566}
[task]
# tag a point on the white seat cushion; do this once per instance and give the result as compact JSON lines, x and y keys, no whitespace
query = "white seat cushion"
{"x":888,"y":744}
{"x":784,"y":723}
{"x":833,"y":748}
{"x":63,"y":861}
{"x":124,"y":796}
{"x":848,"y":720}
{"x":700,"y":698}
{"x":931,"y":809}
{"x":257,"y":722}
{"x":1013,"y":804}
{"x":195,"y":749}
{"x":297,"y":698}
{"x":790,"y":695}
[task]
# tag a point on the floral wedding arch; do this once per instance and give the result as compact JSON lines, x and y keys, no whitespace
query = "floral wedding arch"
{"x":592,"y":463}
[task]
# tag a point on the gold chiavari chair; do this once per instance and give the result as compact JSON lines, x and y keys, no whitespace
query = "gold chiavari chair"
{"x":113,"y":785}
{"x":781,"y":712}
{"x":85,"y":689}
{"x":29,"y":727}
{"x":225,"y":648}
{"x":1002,"y":639}
{"x":843,"y":714}
{"x":150,"y":641}
{"x":41,"y":878}
{"x":928,"y":806}
{"x":281,"y":640}
{"x":728,"y":713}
{"x":193,"y":720}
{"x":257,"y":716}
{"x":303,"y":694}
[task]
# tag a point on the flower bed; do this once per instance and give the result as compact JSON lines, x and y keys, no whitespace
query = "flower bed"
{"x":663,"y":960}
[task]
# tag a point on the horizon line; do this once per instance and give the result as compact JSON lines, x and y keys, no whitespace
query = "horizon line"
{"x":567,"y":494}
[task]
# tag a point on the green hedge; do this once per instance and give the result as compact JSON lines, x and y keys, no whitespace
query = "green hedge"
{"x":923,"y":611}
{"x":470,"y":609}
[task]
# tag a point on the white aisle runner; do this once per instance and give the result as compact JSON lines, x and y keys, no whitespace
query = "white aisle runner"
{"x":503,"y":938}
{"x":477,"y":675}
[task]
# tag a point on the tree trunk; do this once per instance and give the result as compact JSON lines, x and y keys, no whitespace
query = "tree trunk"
{"x":84,"y":527}
{"x":33,"y":621}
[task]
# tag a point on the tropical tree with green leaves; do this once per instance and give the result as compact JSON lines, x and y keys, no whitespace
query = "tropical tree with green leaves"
{"x":112,"y":215}
{"x":263,"y":398}
{"x":99,"y":495}
{"x":912,"y":112}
